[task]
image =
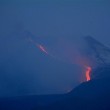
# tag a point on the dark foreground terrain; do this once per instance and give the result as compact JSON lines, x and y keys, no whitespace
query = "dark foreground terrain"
{"x":91,"y":95}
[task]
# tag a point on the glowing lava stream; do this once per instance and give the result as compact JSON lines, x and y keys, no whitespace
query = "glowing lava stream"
{"x":42,"y":48}
{"x":88,"y":73}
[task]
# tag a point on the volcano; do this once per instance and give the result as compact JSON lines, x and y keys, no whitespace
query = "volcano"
{"x":93,"y":94}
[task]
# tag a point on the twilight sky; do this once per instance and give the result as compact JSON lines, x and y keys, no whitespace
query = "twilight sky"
{"x":25,"y":69}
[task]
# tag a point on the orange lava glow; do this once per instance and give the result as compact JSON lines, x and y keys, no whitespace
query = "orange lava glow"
{"x":88,"y":73}
{"x":42,"y":48}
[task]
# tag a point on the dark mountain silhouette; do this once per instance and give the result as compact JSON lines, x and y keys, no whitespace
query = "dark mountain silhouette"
{"x":28,"y":102}
{"x":91,"y":95}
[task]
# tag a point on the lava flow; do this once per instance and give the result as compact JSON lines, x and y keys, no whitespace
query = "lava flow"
{"x":42,"y":48}
{"x":88,"y":73}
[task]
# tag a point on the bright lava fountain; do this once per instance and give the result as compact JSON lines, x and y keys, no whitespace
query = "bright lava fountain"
{"x":88,"y":70}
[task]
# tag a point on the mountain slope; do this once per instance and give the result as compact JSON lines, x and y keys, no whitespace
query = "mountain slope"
{"x":96,"y":51}
{"x":93,"y":95}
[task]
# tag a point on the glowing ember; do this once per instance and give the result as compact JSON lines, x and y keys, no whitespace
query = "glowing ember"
{"x":88,"y":73}
{"x":42,"y":48}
